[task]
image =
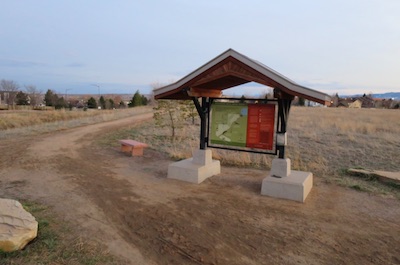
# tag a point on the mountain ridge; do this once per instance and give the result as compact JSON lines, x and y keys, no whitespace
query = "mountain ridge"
{"x":386,"y":95}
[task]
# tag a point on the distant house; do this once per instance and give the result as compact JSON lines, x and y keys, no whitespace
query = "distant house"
{"x":309,"y":103}
{"x":366,"y":101}
{"x":353,"y":103}
{"x":7,"y":97}
{"x":344,"y":102}
{"x":357,"y":104}
{"x":384,"y":103}
{"x":3,"y":97}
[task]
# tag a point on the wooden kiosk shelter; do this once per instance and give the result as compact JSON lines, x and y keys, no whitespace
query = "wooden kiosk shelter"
{"x":228,"y":70}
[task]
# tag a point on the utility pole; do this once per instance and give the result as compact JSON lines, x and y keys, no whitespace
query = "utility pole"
{"x":98,"y":88}
{"x":66,"y":93}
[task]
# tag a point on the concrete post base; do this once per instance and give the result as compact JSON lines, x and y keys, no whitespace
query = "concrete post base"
{"x":196,"y":169}
{"x":285,"y":183}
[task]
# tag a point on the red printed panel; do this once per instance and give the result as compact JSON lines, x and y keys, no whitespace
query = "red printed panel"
{"x":260,"y":126}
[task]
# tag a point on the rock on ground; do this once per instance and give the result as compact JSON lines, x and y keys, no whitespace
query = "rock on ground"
{"x":17,"y":226}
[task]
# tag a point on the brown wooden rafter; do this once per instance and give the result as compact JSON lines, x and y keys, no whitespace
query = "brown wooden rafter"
{"x":231,"y":69}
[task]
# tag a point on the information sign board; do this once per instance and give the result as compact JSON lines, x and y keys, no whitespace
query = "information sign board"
{"x":261,"y":126}
{"x":243,"y":126}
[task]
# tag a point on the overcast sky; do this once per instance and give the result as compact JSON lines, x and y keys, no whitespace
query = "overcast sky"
{"x":344,"y":46}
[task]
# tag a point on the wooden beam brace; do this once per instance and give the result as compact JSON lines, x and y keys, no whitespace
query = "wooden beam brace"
{"x":198,"y":107}
{"x":204,"y":93}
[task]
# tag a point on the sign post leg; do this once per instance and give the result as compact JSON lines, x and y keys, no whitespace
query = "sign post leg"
{"x":283,"y":116}
{"x":201,"y":166}
{"x":203,"y":123}
{"x":203,"y":114}
{"x":282,"y":182}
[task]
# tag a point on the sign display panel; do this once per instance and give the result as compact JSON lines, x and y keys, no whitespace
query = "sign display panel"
{"x":243,"y":126}
{"x":229,"y":124}
{"x":261,"y":126}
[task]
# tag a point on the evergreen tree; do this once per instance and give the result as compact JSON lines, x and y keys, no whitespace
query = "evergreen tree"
{"x":60,"y":103}
{"x":21,"y":98}
{"x":50,"y":98}
{"x":102,"y":102}
{"x":144,"y":100}
{"x":110,"y":104}
{"x":91,"y":103}
{"x":136,"y":100}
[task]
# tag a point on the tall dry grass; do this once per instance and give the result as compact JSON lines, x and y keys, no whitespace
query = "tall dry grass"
{"x":325,"y":141}
{"x":14,"y":123}
{"x":23,"y":118}
{"x":317,"y":138}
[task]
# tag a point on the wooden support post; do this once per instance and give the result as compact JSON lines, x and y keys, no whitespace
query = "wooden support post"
{"x":284,"y":103}
{"x":203,"y":124}
{"x":203,"y":111}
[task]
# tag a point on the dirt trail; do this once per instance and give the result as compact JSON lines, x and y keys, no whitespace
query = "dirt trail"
{"x":130,"y":205}
{"x":33,"y":172}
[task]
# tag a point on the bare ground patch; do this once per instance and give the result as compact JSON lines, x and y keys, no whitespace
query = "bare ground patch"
{"x":142,"y":217}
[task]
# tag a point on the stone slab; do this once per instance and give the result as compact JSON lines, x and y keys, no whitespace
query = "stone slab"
{"x":386,"y":175}
{"x":17,"y":226}
{"x":294,"y":187}
{"x":187,"y":170}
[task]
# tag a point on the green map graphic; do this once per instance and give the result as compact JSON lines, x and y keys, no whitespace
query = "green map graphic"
{"x":228,"y":124}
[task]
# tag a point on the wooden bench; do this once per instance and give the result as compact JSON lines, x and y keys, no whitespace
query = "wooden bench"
{"x":133,"y":147}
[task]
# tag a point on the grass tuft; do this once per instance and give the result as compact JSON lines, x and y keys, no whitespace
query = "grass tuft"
{"x":357,"y":187}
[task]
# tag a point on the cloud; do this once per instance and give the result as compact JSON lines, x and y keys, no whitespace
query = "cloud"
{"x":17,"y":63}
{"x":75,"y":65}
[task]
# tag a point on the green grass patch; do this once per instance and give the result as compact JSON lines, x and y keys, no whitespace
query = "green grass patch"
{"x":370,"y":185}
{"x":376,"y":180}
{"x":357,"y":188}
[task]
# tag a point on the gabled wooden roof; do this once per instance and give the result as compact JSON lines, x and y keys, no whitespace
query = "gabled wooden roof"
{"x":231,"y":69}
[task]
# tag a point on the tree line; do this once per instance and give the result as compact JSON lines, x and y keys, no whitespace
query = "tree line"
{"x":13,"y":95}
{"x":103,"y":103}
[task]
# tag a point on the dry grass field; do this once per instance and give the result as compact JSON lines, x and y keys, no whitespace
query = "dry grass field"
{"x":26,"y":122}
{"x":22,"y":118}
{"x":325,"y":141}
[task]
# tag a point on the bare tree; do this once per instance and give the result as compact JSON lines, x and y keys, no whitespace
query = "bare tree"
{"x":35,"y":95}
{"x":11,"y":88}
{"x":169,"y":113}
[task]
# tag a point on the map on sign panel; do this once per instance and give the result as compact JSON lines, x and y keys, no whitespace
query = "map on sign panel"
{"x":229,"y":123}
{"x":243,"y":126}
